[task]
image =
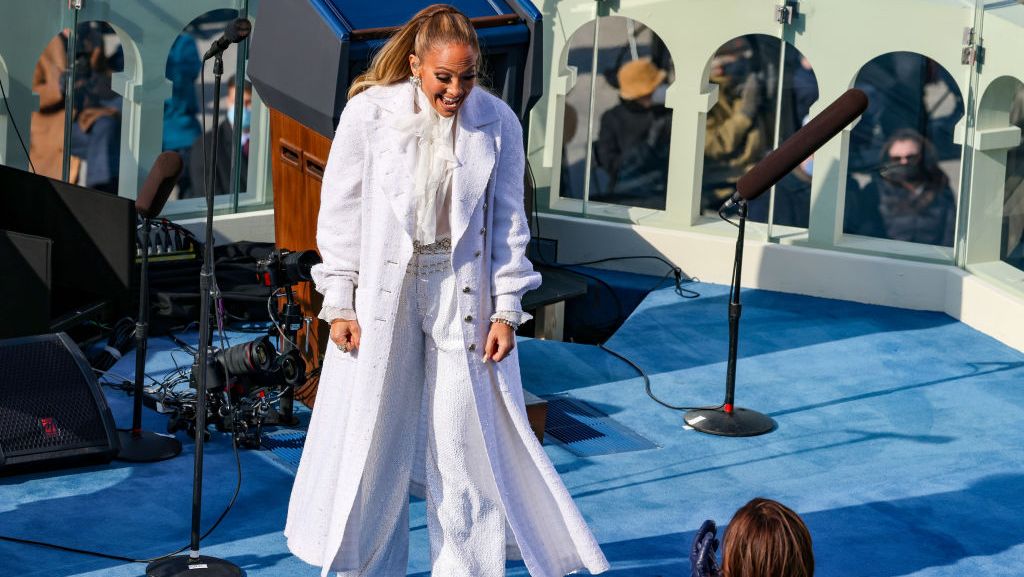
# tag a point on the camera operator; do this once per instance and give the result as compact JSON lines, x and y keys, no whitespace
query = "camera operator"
{"x":764,"y":539}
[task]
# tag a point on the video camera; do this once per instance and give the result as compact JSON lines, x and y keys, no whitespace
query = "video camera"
{"x":242,"y":384}
{"x":284,"y":268}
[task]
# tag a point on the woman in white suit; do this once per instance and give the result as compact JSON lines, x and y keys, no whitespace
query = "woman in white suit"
{"x":423,"y":237}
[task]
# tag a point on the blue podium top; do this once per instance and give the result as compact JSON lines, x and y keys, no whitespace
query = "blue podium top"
{"x":347,"y":16}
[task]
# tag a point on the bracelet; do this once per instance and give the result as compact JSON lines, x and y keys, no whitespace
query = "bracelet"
{"x":503,"y":321}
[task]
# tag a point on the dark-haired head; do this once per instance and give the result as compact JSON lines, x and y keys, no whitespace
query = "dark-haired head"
{"x":907,"y":155}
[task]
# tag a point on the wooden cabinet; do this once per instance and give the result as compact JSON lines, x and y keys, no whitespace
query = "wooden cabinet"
{"x":299,"y":159}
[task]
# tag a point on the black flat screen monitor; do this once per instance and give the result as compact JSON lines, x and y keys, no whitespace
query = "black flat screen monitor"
{"x":93,"y":234}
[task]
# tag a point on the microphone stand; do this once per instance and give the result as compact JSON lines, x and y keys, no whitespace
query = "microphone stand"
{"x":194,"y":564}
{"x":140,"y":446}
{"x":730,"y":420}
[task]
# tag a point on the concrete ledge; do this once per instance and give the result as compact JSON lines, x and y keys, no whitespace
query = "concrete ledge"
{"x":257,"y":226}
{"x":971,"y":299}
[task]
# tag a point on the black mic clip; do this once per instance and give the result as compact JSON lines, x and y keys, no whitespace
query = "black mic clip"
{"x":734,"y":201}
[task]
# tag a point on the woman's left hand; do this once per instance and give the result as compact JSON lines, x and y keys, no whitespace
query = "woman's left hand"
{"x":500,"y":341}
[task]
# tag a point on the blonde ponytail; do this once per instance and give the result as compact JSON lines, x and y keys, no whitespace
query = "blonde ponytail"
{"x":435,"y":25}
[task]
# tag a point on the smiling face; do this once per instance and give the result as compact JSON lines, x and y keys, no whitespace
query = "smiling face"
{"x":448,"y":73}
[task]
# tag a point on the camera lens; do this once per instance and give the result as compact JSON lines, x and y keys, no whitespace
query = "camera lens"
{"x":248,"y":358}
{"x":297,"y":265}
{"x":293,"y":368}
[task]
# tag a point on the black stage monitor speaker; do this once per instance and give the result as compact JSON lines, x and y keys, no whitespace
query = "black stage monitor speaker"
{"x":52,"y":411}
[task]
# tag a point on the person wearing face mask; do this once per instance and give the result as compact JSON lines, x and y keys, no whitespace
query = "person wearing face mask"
{"x":423,"y":235}
{"x":225,"y":146}
{"x":915,"y":200}
{"x":792,"y":203}
{"x":735,"y":132}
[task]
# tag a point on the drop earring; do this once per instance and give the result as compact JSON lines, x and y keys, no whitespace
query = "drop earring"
{"x":415,"y":80}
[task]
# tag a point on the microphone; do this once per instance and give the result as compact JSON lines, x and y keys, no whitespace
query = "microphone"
{"x":235,"y":32}
{"x":159,"y":183}
{"x":799,"y":146}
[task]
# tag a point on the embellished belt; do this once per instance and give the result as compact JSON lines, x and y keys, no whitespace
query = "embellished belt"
{"x":441,"y":245}
{"x":430,"y":258}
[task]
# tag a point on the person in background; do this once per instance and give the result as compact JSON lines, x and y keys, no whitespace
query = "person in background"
{"x":804,"y":89}
{"x":735,"y":135}
{"x":793,"y":203}
{"x":96,"y":112}
{"x":914,"y":197}
{"x":225,"y":146}
{"x":181,"y":127}
{"x":96,"y":131}
{"x":47,"y":133}
{"x":764,"y":539}
{"x":633,"y":143}
{"x":792,"y":199}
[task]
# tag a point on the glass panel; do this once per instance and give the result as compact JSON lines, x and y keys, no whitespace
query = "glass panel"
{"x":790,"y":200}
{"x":95,"y":137}
{"x":740,"y":128}
{"x":29,"y":79}
{"x":364,"y":15}
{"x":1012,"y":246}
{"x":182,"y":126}
{"x":47,"y":131}
{"x":188,"y":115}
{"x":572,"y":179}
{"x":632,"y":125}
{"x":96,"y":127}
{"x":902,"y":153}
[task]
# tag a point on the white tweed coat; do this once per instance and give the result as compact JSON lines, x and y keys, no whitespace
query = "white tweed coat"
{"x":364,"y":234}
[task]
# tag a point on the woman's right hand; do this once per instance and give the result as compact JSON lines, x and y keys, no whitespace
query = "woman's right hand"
{"x":345,"y":334}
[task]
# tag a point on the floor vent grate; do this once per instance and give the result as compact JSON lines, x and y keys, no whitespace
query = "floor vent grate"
{"x":586,"y":431}
{"x":285,"y":445}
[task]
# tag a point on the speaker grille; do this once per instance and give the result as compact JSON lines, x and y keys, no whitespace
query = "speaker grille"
{"x":44,"y":403}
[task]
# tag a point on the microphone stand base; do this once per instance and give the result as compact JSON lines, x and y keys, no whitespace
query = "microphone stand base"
{"x":202,"y":566}
{"x":146,"y":447}
{"x":738,"y":423}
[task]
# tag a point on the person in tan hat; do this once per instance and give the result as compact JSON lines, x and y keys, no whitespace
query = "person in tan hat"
{"x":639,"y":78}
{"x":633,"y":143}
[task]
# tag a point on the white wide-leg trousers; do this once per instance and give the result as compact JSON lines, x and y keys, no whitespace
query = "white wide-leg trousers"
{"x":428,"y":372}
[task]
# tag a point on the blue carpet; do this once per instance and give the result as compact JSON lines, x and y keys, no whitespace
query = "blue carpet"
{"x":897,"y":441}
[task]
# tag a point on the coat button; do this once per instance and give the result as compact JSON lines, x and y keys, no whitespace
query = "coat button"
{"x":476,"y":254}
{"x":469,"y":318}
{"x":483,"y":230}
{"x":465,"y":289}
{"x":472,"y":347}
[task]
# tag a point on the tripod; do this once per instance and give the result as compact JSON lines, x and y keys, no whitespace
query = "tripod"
{"x":194,"y":564}
{"x":729,"y":420}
